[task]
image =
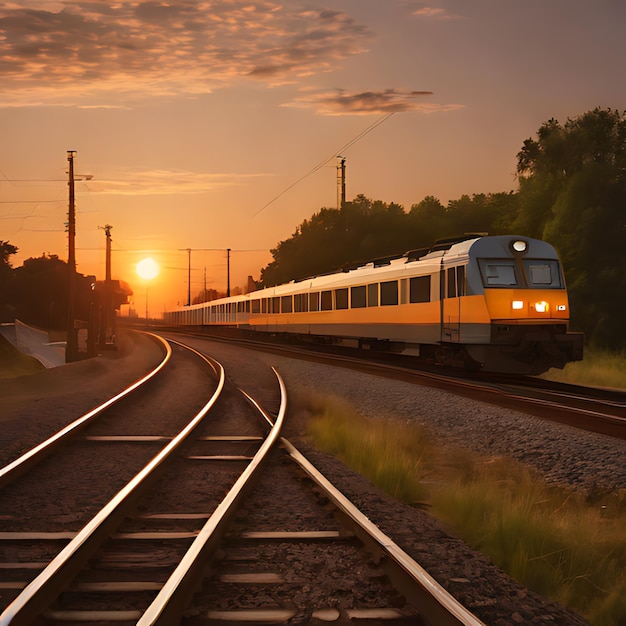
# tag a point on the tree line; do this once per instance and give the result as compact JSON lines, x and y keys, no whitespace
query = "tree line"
{"x":572,"y":193}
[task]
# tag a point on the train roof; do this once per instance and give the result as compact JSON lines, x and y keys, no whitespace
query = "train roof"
{"x":447,"y":252}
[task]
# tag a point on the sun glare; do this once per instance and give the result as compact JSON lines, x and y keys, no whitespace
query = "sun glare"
{"x":147,"y":269}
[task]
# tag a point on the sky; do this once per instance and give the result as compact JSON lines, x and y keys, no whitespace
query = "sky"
{"x":206,"y":132}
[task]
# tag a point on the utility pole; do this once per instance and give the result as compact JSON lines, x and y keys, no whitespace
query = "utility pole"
{"x":71,"y":347}
{"x":228,"y":272}
{"x":341,"y":182}
{"x":107,"y":232}
{"x":188,"y":276}
{"x":106,"y":328}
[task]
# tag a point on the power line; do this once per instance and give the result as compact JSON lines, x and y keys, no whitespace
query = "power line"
{"x":28,"y":201}
{"x":155,"y":250}
{"x":343,"y":148}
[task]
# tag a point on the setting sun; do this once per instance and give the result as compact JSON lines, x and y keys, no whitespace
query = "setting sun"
{"x":147,"y":269}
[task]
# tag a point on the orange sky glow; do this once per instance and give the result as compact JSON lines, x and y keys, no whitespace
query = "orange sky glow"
{"x":214,"y":125}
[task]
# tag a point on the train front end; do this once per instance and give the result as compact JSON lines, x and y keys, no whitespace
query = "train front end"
{"x":527,"y":304}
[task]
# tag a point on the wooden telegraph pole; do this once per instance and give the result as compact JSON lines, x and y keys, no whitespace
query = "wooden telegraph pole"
{"x":107,"y":323}
{"x":71,"y":348}
{"x":341,"y":182}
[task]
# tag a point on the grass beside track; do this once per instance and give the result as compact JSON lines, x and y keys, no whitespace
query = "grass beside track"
{"x":13,"y":363}
{"x":599,"y":368}
{"x":567,"y":546}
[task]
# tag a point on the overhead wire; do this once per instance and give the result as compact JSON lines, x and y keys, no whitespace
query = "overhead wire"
{"x":314,"y":169}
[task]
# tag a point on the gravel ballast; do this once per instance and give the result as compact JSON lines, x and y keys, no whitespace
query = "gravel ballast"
{"x":563,"y":454}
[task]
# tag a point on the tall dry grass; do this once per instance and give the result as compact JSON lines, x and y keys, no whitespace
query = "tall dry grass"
{"x":565,"y":546}
{"x":395,"y":459}
{"x":599,"y":368}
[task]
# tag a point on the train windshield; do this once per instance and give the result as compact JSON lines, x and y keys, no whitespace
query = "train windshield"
{"x":543,"y":274}
{"x":532,"y":273}
{"x":498,"y":272}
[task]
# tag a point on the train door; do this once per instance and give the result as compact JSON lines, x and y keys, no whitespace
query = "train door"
{"x":452,"y":288}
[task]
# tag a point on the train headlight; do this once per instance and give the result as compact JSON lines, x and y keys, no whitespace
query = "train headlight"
{"x":561,"y":307}
{"x":517,"y":305}
{"x":519,"y":245}
{"x":541,"y":307}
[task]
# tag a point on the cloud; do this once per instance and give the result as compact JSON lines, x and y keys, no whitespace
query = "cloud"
{"x":75,"y":51}
{"x":436,"y":13}
{"x":165,"y":181}
{"x":341,"y":102}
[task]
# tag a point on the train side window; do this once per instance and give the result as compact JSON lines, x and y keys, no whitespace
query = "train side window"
{"x":460,"y":280}
{"x":372,"y":294}
{"x":247,"y":306}
{"x":327,"y":301}
{"x":389,"y":293}
{"x":341,"y":298}
{"x":256,"y":306}
{"x":358,"y":297}
{"x":275,"y":304}
{"x":419,"y":288}
{"x":264,"y":305}
{"x":301,"y":302}
{"x":451,"y":282}
{"x":314,"y":301}
{"x":456,"y":281}
{"x":286,"y":304}
{"x":498,"y":273}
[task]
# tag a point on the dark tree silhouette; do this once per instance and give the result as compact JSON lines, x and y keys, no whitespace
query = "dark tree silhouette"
{"x":364,"y":229}
{"x":7,"y":280}
{"x":42,"y":292}
{"x":573,"y":194}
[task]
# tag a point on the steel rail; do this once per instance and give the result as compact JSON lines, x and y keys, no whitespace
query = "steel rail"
{"x":44,"y":589}
{"x":435,"y":604}
{"x":173,"y":597}
{"x":29,"y":459}
{"x":462,"y":386}
{"x":606,"y":423}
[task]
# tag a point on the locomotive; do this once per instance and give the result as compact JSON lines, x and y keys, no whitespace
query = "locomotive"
{"x":494,"y":303}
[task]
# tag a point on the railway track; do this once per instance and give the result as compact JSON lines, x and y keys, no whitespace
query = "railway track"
{"x":16,"y":468}
{"x":86,"y":508}
{"x":143,"y":555}
{"x":589,"y":408}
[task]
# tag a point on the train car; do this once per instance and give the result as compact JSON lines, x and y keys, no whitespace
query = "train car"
{"x":493,"y":303}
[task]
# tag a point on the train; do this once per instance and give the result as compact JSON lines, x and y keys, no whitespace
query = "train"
{"x":489,"y":303}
